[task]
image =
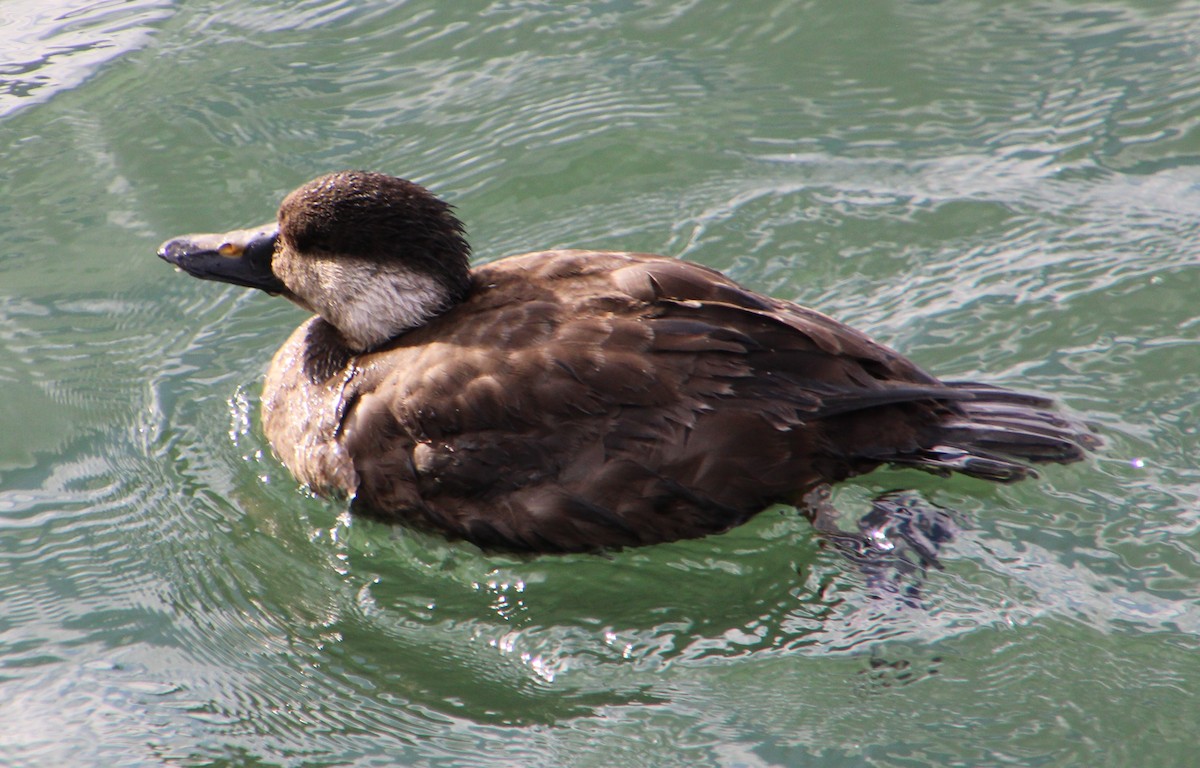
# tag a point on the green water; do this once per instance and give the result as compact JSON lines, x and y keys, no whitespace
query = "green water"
{"x":1005,"y":191}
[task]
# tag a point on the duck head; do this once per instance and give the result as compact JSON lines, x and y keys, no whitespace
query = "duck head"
{"x":372,"y":254}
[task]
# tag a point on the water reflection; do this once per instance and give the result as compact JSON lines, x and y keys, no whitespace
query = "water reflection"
{"x":53,"y":46}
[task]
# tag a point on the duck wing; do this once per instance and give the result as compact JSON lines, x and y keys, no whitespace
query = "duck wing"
{"x":585,"y":400}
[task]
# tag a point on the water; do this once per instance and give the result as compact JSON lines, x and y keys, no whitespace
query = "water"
{"x":1004,"y":191}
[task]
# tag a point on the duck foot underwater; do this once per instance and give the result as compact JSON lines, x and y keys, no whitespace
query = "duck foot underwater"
{"x":897,"y":542}
{"x":582,"y":401}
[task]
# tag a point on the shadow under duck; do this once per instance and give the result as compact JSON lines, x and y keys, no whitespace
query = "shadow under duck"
{"x":574,"y":400}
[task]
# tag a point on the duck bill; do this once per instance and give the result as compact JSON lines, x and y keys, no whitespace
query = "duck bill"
{"x":241,"y":257}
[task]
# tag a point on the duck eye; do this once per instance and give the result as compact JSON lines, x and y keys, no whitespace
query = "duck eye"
{"x":231,"y":250}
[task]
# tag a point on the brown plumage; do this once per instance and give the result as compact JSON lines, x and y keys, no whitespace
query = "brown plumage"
{"x":578,"y":400}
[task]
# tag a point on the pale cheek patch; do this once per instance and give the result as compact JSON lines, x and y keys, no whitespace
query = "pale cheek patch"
{"x":389,"y":305}
{"x":367,"y":304}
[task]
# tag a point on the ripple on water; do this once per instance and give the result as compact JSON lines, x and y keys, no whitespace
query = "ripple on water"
{"x":54,"y":46}
{"x":87,"y":524}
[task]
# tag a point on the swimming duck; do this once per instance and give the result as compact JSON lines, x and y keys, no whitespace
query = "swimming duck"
{"x":575,"y":400}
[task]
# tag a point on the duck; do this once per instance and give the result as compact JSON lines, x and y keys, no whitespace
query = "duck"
{"x":573,"y":400}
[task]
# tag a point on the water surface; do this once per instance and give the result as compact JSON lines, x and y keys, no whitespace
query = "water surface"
{"x":1004,"y":192}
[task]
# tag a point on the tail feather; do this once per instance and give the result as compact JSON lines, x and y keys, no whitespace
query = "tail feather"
{"x":996,"y":433}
